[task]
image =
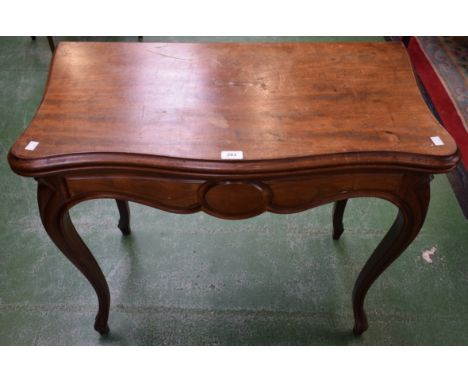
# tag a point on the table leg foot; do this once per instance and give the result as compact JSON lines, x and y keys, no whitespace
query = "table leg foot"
{"x":338,"y":212}
{"x":53,"y":209}
{"x":360,"y":326}
{"x":100,"y":327}
{"x":124,"y":221}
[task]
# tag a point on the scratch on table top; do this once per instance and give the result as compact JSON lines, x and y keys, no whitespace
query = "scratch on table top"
{"x":168,"y":56}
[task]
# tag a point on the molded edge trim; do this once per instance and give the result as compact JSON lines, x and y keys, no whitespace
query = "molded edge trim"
{"x":389,"y":160}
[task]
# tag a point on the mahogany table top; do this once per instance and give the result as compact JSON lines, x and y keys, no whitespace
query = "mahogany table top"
{"x":291,"y":104}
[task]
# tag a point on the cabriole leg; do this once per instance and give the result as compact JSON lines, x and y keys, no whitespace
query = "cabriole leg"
{"x":124,"y":221}
{"x":412,"y":212}
{"x":56,"y":220}
{"x":338,"y":211}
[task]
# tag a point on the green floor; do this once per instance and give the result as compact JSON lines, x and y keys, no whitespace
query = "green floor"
{"x":195,"y":280}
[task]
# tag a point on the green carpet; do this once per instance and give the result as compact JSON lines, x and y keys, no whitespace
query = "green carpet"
{"x":196,"y":280}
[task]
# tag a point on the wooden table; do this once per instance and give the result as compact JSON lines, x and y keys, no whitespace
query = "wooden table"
{"x":233,"y":130}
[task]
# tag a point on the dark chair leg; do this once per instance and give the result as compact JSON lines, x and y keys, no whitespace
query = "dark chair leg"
{"x":338,"y":211}
{"x":50,"y":40}
{"x":124,"y":221}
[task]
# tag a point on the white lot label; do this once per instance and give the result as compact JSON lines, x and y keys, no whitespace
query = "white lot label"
{"x":31,"y":145}
{"x":232,"y":155}
{"x":437,"y":141}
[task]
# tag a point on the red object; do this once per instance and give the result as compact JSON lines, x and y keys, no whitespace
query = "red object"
{"x":440,"y":97}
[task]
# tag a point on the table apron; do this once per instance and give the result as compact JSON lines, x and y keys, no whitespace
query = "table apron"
{"x":235,"y":199}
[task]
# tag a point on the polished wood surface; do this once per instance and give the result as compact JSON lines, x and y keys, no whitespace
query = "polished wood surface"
{"x":317,"y":123}
{"x":275,"y":102}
